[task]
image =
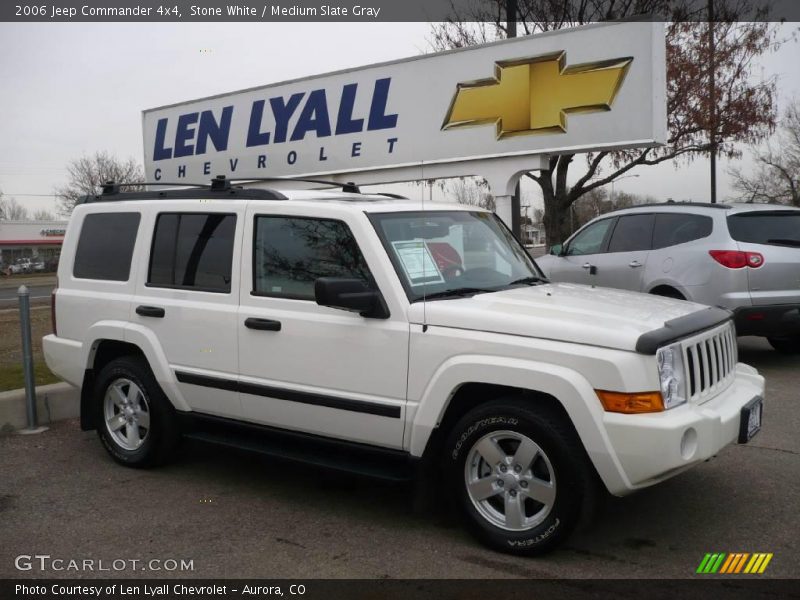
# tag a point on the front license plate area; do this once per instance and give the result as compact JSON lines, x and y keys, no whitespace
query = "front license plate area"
{"x":750,"y":420}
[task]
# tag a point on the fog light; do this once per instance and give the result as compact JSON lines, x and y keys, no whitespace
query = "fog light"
{"x":689,"y":443}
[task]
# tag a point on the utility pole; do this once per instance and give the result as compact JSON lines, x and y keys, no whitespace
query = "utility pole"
{"x":511,"y":32}
{"x":712,"y":94}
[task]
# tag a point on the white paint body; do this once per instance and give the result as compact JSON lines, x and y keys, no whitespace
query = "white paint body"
{"x":565,"y":340}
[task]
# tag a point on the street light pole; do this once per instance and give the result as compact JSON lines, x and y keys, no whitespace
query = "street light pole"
{"x":511,"y":32}
{"x":613,"y":181}
{"x":712,"y":84}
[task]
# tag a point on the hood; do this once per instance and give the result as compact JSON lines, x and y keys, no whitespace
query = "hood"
{"x":558,"y":311}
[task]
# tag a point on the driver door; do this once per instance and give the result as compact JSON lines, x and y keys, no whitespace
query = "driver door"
{"x":313,"y":368}
{"x":574,"y":264}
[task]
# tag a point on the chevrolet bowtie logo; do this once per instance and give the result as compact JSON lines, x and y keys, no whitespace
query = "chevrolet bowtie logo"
{"x":534,"y":95}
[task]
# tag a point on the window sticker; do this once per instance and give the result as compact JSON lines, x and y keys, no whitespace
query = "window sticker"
{"x":417,"y":262}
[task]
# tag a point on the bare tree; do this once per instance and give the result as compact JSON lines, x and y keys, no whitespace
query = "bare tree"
{"x":470,"y":191}
{"x":777,"y":175}
{"x":88,"y":173}
{"x":43,"y":215}
{"x":742,"y":110}
{"x":11,"y":210}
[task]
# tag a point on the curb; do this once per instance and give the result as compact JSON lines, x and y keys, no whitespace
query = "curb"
{"x":54,"y":402}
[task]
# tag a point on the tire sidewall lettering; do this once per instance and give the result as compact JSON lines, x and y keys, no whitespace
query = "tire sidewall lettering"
{"x":475,"y":427}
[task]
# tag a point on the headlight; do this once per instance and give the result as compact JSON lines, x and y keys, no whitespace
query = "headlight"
{"x":671,"y":375}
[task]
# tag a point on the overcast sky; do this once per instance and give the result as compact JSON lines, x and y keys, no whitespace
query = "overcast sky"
{"x":73,"y":89}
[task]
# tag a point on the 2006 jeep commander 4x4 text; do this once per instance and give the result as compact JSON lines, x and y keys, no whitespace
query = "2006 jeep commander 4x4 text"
{"x":375,"y":334}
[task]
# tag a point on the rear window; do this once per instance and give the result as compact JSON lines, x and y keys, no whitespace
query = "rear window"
{"x":779,"y":227}
{"x":193,"y":251}
{"x":673,"y":229}
{"x":105,"y":247}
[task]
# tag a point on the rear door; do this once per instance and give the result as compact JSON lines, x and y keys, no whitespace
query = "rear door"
{"x":622,"y":264}
{"x":187,"y":298}
{"x":775,"y":235}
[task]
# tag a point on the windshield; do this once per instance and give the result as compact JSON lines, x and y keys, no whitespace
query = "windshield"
{"x":440,"y":254}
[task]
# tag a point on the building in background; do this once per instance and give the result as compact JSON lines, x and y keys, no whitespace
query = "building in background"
{"x":30,"y":246}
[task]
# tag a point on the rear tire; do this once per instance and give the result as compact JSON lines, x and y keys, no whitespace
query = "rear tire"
{"x":785,"y":345}
{"x":135,"y":420}
{"x":517,"y":473}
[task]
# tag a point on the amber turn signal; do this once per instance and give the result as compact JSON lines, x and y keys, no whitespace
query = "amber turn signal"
{"x":640,"y":402}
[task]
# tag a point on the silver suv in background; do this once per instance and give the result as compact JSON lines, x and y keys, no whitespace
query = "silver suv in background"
{"x":743,"y":257}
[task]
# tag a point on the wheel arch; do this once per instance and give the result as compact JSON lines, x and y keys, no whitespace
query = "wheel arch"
{"x":668,"y":290}
{"x":466,"y":382}
{"x":109,"y":343}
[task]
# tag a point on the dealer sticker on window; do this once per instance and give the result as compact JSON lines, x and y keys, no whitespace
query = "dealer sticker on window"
{"x":417,"y":262}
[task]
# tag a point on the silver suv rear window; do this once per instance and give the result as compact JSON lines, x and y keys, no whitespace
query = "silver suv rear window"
{"x":778,"y":227}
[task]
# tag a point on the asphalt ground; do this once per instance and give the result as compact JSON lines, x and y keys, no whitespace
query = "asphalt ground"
{"x":238,"y":515}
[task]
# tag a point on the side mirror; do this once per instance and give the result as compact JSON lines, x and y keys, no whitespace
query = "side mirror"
{"x":352,"y":295}
{"x":556,"y":249}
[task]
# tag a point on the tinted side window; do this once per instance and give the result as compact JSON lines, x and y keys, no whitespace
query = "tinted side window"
{"x":632,"y":233}
{"x":591,"y":239}
{"x":105,"y":246}
{"x":673,"y":229}
{"x":291,"y":253}
{"x":193,"y":251}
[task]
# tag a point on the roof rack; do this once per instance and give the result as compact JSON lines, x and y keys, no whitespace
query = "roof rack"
{"x":687,"y":203}
{"x":391,"y":195}
{"x":220,"y":181}
{"x":219,"y":186}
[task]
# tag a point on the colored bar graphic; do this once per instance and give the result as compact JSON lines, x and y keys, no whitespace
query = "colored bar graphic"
{"x":722,"y":563}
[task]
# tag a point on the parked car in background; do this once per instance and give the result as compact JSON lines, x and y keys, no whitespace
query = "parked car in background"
{"x":20,"y":266}
{"x":743,"y":257}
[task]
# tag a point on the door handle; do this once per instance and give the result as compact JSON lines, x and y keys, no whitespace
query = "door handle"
{"x":262,"y":324}
{"x":634,"y":264}
{"x":150,"y":311}
{"x":591,"y":268}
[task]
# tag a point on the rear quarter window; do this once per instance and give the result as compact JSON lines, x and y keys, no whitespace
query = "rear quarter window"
{"x":779,"y":227}
{"x":105,"y":246}
{"x":673,"y":229}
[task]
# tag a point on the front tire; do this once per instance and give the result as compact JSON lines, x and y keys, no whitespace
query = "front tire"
{"x":135,"y":420}
{"x":785,"y":345}
{"x":517,"y":473}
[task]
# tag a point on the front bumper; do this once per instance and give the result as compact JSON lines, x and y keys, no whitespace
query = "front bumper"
{"x":771,"y":320}
{"x":655,"y":446}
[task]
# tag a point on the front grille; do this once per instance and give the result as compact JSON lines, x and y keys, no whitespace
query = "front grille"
{"x":710,"y":361}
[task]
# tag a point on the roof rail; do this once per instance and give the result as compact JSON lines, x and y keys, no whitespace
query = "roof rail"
{"x":679,"y":204}
{"x":349,"y":187}
{"x":391,"y":195}
{"x":110,"y":187}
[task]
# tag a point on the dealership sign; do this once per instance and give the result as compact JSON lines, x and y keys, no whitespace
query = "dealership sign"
{"x":454,"y":113}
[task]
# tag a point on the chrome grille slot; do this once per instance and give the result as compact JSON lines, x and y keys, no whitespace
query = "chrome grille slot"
{"x":709,"y":361}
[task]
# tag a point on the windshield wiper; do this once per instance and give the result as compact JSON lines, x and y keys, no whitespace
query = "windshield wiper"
{"x":532,"y":280}
{"x":456,"y":292}
{"x":785,"y":242}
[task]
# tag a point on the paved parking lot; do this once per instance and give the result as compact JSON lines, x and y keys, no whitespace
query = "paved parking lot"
{"x":237,"y":515}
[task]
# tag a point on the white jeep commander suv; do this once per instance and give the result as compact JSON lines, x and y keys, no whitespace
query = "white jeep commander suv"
{"x":374,"y":334}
